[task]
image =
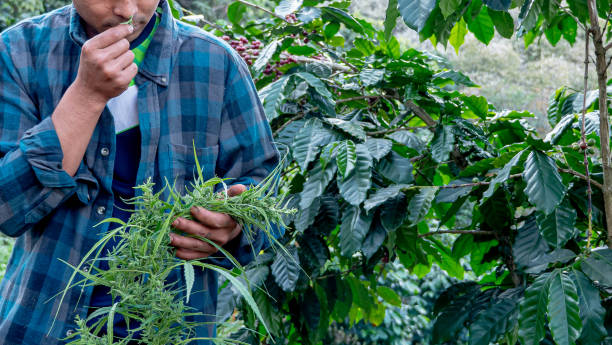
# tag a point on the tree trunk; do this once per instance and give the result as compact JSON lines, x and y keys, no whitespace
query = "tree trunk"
{"x":604,"y":127}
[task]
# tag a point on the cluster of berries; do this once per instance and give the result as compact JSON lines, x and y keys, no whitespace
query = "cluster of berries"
{"x":273,"y":68}
{"x":249,"y":51}
{"x":291,"y":18}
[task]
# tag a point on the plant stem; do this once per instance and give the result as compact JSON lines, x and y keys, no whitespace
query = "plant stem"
{"x":583,"y":142}
{"x":604,"y":127}
{"x":468,"y":232}
{"x":262,"y":9}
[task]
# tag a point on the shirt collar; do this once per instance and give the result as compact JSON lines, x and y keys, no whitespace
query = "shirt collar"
{"x":160,"y":53}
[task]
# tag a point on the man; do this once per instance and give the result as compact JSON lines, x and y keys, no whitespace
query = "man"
{"x":90,"y":107}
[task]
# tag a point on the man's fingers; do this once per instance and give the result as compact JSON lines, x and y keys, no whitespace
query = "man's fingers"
{"x":187,"y":254}
{"x":116,"y":49}
{"x":193,"y":244}
{"x":110,"y":36}
{"x":124,"y":61}
{"x":236,"y":189}
{"x":212,"y":219}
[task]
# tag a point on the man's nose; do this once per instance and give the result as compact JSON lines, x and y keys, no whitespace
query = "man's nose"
{"x":125,"y":8}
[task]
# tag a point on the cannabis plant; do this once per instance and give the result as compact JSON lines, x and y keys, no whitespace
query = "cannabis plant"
{"x":143,"y":259}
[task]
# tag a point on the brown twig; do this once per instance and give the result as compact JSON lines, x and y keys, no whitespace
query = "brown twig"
{"x":392,"y":130}
{"x":583,"y":177}
{"x":331,"y":64}
{"x":295,"y":118}
{"x":262,"y":9}
{"x":422,"y":114}
{"x":583,"y":142}
{"x":462,"y":232}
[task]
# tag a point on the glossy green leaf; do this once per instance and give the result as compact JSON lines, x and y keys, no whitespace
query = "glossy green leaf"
{"x":532,"y":311}
{"x":545,"y":189}
{"x":443,"y":143}
{"x":343,"y":17}
{"x":286,"y":7}
{"x":349,"y":127}
{"x":503,"y":175}
{"x":301,"y":50}
{"x":492,"y":322}
{"x":529,"y":249}
{"x":286,"y":269}
{"x":457,"y":35}
{"x":264,"y":57}
{"x":563,"y":312}
{"x":420,"y":204}
{"x":382,"y":195}
{"x":374,"y":239}
{"x":272,"y":96}
{"x":331,"y":29}
{"x":307,"y":142}
{"x":416,"y":12}
{"x":354,"y":227}
{"x":391,"y":16}
{"x":598,"y":267}
{"x":409,"y":139}
{"x":503,"y":22}
{"x":558,"y":227}
{"x":316,"y":83}
{"x":235,"y":12}
{"x":592,"y":313}
{"x":498,"y":5}
{"x":369,"y":76}
{"x":354,"y":187}
{"x":378,"y":147}
{"x":389,"y":295}
{"x":306,"y":216}
{"x":449,"y":7}
{"x":346,"y":157}
{"x":315,"y":185}
{"x":452,"y":194}
{"x":482,"y":26}
{"x":393,"y":212}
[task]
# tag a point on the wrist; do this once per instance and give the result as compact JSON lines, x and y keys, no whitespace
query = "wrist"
{"x":87,"y":97}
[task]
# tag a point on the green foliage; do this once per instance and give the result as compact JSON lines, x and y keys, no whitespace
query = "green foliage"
{"x":6,"y":245}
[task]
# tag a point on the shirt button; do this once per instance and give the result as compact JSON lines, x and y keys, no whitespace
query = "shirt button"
{"x":104,"y":151}
{"x":101,"y":210}
{"x":163,"y":80}
{"x":69,"y":332}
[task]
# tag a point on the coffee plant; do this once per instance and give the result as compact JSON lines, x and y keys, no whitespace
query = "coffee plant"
{"x":388,"y":156}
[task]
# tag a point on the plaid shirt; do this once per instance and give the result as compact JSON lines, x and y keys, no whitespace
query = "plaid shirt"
{"x":192,"y":87}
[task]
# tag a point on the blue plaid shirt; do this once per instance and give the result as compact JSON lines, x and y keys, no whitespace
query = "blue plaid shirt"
{"x":192,"y":87}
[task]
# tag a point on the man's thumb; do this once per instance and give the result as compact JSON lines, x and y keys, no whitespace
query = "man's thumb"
{"x":236,"y":189}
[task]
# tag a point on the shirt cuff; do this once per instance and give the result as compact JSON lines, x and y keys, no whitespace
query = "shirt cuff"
{"x":41,"y":148}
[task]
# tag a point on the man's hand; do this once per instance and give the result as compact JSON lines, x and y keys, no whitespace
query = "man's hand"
{"x":107,"y":64}
{"x":217,"y":227}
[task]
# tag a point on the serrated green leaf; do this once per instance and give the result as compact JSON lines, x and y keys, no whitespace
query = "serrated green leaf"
{"x":532,"y":311}
{"x":378,"y":147}
{"x":189,"y":279}
{"x":416,"y":12}
{"x":354,"y":227}
{"x":563,"y":311}
{"x":502,"y":176}
{"x":346,"y":157}
{"x":443,"y":143}
{"x":598,"y":266}
{"x":354,"y":187}
{"x":420,"y":204}
{"x":592,"y":313}
{"x":545,"y":189}
{"x":558,"y":227}
{"x":286,"y":269}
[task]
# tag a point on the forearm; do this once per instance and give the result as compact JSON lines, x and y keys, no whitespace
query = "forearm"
{"x":75,"y":119}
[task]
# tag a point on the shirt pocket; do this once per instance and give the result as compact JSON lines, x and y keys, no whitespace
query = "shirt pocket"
{"x":184,"y":168}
